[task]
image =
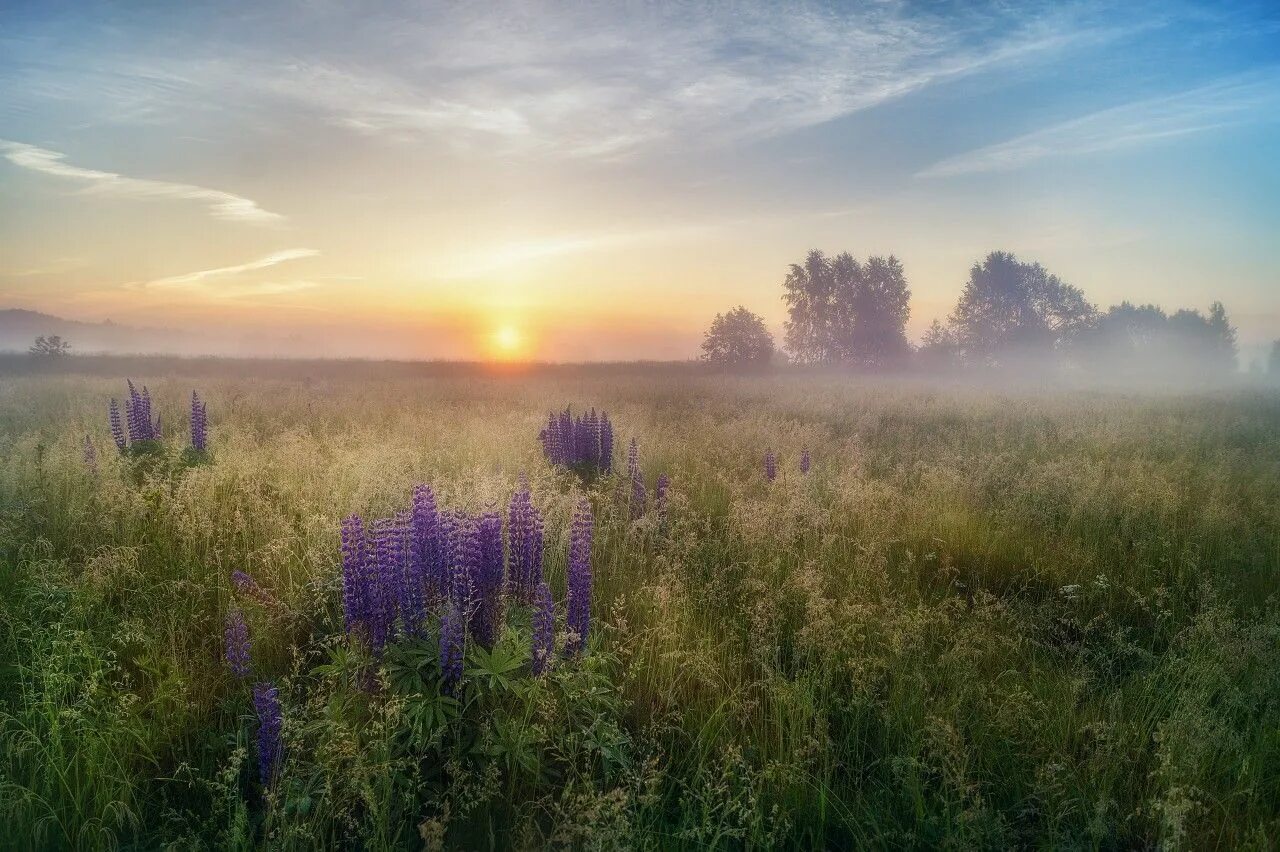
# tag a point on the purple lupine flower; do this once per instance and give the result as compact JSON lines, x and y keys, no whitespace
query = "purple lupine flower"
{"x":355,"y":559}
{"x":660,"y":490}
{"x":524,"y":546}
{"x":633,"y":458}
{"x":465,"y":562}
{"x":591,"y":438}
{"x":453,"y":638}
{"x":544,"y":628}
{"x":236,"y":642}
{"x":385,"y":580}
{"x":406,"y":593}
{"x":579,"y":581}
{"x":199,"y":423}
{"x":805,"y":461}
{"x":117,"y":426}
{"x":487,"y":617}
{"x":606,"y":443}
{"x":430,"y":551}
{"x":90,"y":455}
{"x":266,"y":703}
{"x":639,"y":496}
{"x":770,"y":466}
{"x":132,"y":412}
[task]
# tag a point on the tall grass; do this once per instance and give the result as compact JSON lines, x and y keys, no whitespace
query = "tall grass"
{"x":982,"y":620}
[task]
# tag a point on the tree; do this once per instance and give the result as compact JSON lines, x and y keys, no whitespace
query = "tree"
{"x":737,"y":339}
{"x":843,"y":310}
{"x":1011,"y":309}
{"x":938,"y":348}
{"x":808,"y":293}
{"x":52,"y":346}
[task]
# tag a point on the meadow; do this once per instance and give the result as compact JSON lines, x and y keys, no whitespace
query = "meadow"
{"x":984,"y":618}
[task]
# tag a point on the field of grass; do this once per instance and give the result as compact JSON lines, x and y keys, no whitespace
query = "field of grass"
{"x":982,"y":620}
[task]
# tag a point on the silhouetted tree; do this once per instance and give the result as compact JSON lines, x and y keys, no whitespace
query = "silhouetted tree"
{"x":1011,"y":309}
{"x":809,"y":293}
{"x":52,"y":346}
{"x":843,"y":310}
{"x":738,"y":339}
{"x":939,"y":349}
{"x":1145,"y":340}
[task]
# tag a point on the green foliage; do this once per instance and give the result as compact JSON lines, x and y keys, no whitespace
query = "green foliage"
{"x":738,"y":339}
{"x":984,"y":620}
{"x":843,"y":310}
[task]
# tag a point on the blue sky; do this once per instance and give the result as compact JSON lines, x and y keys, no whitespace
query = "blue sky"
{"x":604,"y":178}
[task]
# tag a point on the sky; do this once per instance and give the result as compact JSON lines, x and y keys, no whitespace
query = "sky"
{"x":583,"y":181}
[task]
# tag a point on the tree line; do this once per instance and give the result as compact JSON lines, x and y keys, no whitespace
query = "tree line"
{"x":1011,"y":313}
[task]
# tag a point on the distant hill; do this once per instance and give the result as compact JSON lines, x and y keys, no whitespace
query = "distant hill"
{"x":19,"y":328}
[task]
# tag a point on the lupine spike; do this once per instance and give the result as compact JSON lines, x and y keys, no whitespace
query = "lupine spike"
{"x":465,"y":563}
{"x":524,"y":540}
{"x":453,"y":640}
{"x":429,"y":546}
{"x":199,"y":423}
{"x":660,"y":489}
{"x":487,"y":617}
{"x":236,"y":636}
{"x":606,"y":443}
{"x":117,"y":426}
{"x":579,"y":580}
{"x":639,"y":496}
{"x":544,"y":628}
{"x":383,"y":587}
{"x":805,"y":461}
{"x":770,"y":466}
{"x":266,"y":704}
{"x":354,"y":573}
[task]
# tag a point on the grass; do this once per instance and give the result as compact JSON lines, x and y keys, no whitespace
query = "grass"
{"x":984,"y":620}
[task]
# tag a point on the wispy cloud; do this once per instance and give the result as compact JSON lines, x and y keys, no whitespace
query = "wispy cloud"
{"x":596,"y":83}
{"x":199,"y":277}
{"x":586,"y":81}
{"x":1231,"y":101}
{"x":222,"y":205}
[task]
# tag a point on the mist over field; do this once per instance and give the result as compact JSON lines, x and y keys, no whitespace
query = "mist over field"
{"x":820,"y":424}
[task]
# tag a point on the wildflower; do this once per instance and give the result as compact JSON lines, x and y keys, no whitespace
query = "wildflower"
{"x":639,"y":495}
{"x":236,"y":636}
{"x":199,"y":423}
{"x":606,"y":443}
{"x":355,"y":556}
{"x":117,"y":427}
{"x":452,"y":644}
{"x":544,"y":627}
{"x":487,"y":618}
{"x":805,"y":461}
{"x":90,"y":455}
{"x":266,"y":703}
{"x":660,"y":489}
{"x":524,"y":546}
{"x":138,"y":416}
{"x":464,"y":563}
{"x":571,"y":441}
{"x":579,"y":604}
{"x":383,"y":583}
{"x":428,"y":548}
{"x":770,"y":466}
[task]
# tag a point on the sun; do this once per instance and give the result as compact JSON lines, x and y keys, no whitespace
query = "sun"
{"x":507,"y":341}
